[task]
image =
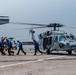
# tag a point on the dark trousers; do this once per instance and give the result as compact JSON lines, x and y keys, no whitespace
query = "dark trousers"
{"x":9,"y":50}
{"x":20,"y":48}
{"x":37,"y":49}
{"x":2,"y":52}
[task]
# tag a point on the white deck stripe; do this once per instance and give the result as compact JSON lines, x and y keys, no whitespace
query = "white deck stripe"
{"x":10,"y":65}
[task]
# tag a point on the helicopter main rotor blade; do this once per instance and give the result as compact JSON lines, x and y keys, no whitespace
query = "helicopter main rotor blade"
{"x":35,"y":27}
{"x":54,"y":25}
{"x":70,"y":27}
{"x":31,"y":28}
{"x":28,"y":24}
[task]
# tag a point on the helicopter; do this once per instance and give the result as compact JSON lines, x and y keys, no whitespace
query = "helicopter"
{"x":54,"y":40}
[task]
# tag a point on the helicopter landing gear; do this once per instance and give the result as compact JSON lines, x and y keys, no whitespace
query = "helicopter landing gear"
{"x":69,"y":52}
{"x":48,"y":51}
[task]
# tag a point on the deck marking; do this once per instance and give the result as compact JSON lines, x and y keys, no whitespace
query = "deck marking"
{"x":11,"y":65}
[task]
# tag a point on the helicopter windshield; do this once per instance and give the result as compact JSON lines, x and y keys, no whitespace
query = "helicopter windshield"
{"x":72,"y":37}
{"x":61,"y":38}
{"x":68,"y":37}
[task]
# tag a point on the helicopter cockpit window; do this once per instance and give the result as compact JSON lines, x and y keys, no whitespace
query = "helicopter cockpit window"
{"x":68,"y":37}
{"x":61,"y":38}
{"x":72,"y":37}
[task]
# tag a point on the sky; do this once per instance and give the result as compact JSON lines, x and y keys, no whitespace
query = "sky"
{"x":36,"y":11}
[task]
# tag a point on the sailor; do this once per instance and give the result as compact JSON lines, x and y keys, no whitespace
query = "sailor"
{"x":1,"y":48}
{"x":2,"y":39}
{"x":36,"y":45}
{"x":9,"y":43}
{"x":20,"y":48}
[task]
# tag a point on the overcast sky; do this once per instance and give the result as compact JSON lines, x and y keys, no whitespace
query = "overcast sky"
{"x":36,"y":11}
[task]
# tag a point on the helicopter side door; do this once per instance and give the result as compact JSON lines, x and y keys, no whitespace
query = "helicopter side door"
{"x":47,"y":41}
{"x":55,"y":45}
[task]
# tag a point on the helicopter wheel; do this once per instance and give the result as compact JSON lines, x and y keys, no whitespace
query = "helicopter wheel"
{"x":69,"y":52}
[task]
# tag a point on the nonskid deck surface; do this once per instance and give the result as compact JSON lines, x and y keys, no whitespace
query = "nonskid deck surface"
{"x":54,"y":64}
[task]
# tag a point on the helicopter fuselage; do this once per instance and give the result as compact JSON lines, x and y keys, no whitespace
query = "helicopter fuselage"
{"x":57,"y":41}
